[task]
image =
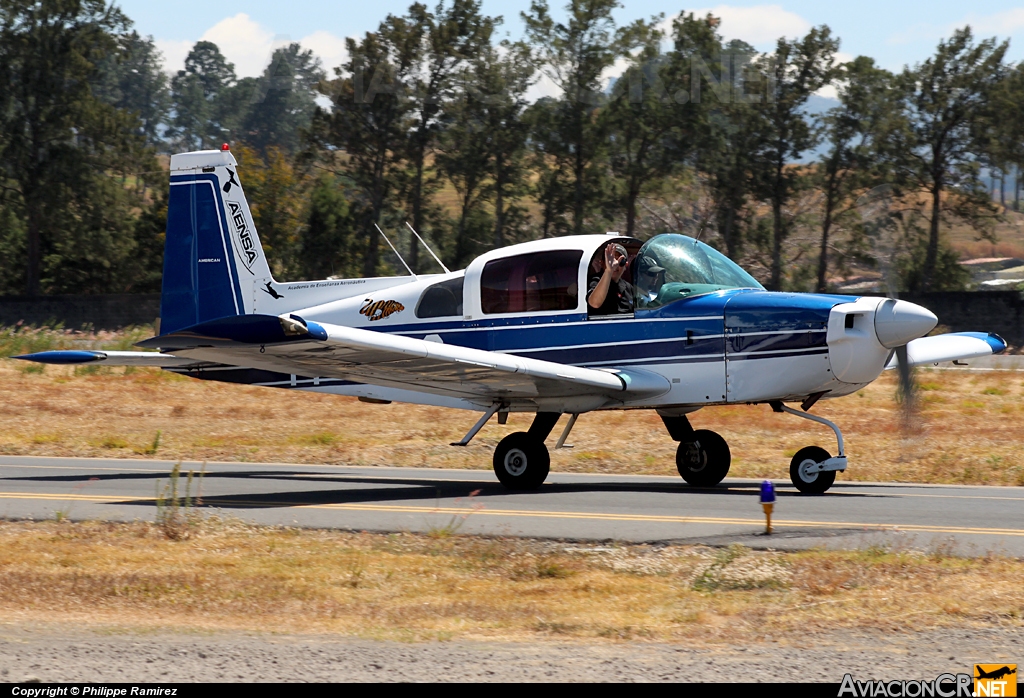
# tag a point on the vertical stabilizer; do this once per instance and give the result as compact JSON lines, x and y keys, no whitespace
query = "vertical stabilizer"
{"x":213,"y":260}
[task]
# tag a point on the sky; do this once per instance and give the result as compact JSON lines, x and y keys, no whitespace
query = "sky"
{"x":893,"y":33}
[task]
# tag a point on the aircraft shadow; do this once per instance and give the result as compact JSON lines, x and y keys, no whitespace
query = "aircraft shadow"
{"x":390,"y":489}
{"x":434,"y":492}
{"x":446,"y":488}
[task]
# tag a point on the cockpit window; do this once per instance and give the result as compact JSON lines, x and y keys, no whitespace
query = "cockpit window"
{"x":531,"y":282}
{"x":670,"y":267}
{"x":441,"y":300}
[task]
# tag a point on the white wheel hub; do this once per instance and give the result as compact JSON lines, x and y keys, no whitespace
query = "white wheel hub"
{"x":515,"y":462}
{"x":808,"y":470}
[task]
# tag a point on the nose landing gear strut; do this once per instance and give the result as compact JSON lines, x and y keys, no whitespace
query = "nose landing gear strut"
{"x":813,"y":470}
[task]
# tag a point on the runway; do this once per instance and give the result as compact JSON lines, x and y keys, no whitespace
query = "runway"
{"x":965,"y":519}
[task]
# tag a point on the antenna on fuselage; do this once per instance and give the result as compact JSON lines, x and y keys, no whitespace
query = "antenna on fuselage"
{"x":424,"y":243}
{"x":411,"y":272}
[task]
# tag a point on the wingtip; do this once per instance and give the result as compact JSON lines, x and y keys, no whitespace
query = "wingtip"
{"x":71,"y":356}
{"x":997,"y":343}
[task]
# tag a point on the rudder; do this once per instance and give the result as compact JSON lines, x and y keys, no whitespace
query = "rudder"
{"x":213,"y":259}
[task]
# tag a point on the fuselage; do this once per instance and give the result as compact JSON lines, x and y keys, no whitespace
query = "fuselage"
{"x":736,"y":345}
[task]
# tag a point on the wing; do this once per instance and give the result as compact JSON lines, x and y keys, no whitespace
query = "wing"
{"x":291,"y":345}
{"x":951,"y":347}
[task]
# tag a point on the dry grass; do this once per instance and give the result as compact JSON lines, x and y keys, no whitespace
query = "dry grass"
{"x":409,"y":587}
{"x":971,"y":427}
{"x":1009,"y":234}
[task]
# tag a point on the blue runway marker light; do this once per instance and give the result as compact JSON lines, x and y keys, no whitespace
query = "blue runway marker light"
{"x":767,"y":503}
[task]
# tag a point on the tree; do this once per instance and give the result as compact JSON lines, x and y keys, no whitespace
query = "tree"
{"x":59,"y":141}
{"x":366,"y":129}
{"x":945,"y":104}
{"x":281,"y":103}
{"x":796,"y":70}
{"x":732,"y":141}
{"x":204,"y":105}
{"x":551,"y":159}
{"x":277,"y":195}
{"x":481,"y":150}
{"x":502,"y":78}
{"x":464,"y":156}
{"x":451,"y":36}
{"x":328,"y":247}
{"x":1005,"y":139}
{"x":655,"y":131}
{"x":640,"y":125}
{"x":856,"y":133}
{"x":132,"y":79}
{"x":575,"y":55}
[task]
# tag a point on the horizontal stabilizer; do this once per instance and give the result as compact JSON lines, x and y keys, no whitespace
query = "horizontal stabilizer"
{"x":238,"y":330}
{"x":108,"y":358}
{"x":951,"y":347}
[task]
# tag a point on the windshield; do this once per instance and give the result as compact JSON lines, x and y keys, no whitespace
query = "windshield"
{"x":670,"y":267}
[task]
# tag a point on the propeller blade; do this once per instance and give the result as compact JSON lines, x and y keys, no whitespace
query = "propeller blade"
{"x":906,"y":393}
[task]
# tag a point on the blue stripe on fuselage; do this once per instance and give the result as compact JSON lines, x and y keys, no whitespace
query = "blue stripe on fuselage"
{"x":762,"y":325}
{"x":689,"y":329}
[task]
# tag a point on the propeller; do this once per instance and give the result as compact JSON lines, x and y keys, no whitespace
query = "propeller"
{"x":899,"y":325}
{"x":906,"y":391}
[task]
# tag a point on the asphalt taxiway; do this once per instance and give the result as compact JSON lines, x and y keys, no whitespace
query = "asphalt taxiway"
{"x":965,"y":519}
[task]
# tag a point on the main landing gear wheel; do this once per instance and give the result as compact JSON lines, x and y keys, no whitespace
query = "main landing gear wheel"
{"x":703,"y":460}
{"x":521,"y":462}
{"x":806,"y":480}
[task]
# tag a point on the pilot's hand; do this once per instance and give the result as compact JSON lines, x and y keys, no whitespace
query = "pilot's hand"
{"x":613,"y":262}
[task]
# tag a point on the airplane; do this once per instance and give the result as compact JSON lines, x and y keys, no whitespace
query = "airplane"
{"x":513,"y":332}
{"x":995,"y":674}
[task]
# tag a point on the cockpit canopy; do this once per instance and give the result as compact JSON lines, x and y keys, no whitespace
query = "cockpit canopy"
{"x":669,"y":267}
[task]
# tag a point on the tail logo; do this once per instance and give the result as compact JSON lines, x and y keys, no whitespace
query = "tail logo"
{"x":231,"y":180}
{"x":378,"y":310}
{"x":273,"y":293}
{"x":243,"y":237}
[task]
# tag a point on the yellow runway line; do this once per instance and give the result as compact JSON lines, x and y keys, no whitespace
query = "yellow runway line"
{"x":592,"y":516}
{"x":672,"y":519}
{"x":76,"y":497}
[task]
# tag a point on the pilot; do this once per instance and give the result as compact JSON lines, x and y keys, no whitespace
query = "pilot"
{"x":608,"y":293}
{"x":650,"y":279}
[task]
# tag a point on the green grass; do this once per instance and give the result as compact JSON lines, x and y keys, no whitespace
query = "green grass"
{"x":29,"y":339}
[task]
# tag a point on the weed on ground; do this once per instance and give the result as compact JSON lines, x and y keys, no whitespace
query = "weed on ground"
{"x":229,"y":575}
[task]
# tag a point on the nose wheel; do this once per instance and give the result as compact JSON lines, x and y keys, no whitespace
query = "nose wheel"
{"x":805,"y":472}
{"x":813,"y":470}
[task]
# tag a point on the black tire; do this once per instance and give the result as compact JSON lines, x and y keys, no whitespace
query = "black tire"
{"x":811,"y":483}
{"x":521,"y":462}
{"x":703,"y":460}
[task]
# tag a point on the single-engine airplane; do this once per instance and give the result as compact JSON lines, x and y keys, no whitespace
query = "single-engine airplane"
{"x":514,"y":332}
